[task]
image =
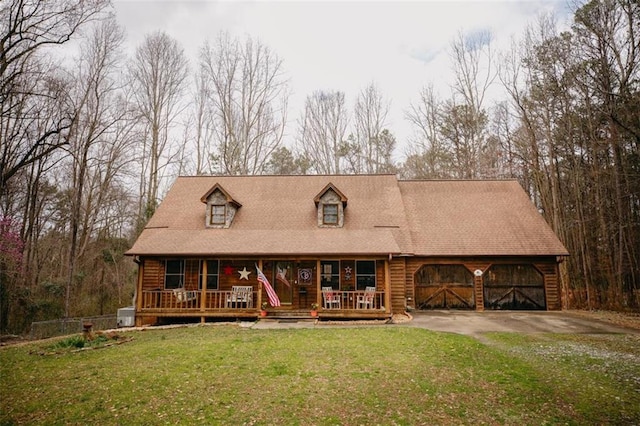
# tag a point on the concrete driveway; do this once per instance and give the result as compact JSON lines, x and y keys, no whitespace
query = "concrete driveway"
{"x":474,"y":323}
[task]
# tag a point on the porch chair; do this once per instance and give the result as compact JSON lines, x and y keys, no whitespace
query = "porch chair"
{"x":367,"y":300}
{"x":183,"y":295}
{"x":330,"y":299}
{"x":240,"y":296}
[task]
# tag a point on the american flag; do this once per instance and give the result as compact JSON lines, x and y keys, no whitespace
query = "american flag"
{"x":271,"y":294}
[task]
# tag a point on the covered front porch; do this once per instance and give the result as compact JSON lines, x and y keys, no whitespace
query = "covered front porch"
{"x":211,"y":289}
{"x":227,"y":304}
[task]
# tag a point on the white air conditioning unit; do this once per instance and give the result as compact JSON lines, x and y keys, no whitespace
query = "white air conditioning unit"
{"x":126,"y":317}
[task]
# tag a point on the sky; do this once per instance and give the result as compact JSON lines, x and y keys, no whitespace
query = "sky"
{"x":344,"y":45}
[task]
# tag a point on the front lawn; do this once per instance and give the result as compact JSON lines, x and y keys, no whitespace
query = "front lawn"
{"x":324,"y":376}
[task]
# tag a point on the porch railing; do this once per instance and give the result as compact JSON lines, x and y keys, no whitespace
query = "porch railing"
{"x":354,"y":300}
{"x":191,"y":300}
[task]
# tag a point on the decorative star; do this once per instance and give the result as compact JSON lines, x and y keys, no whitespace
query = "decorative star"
{"x":228,"y":270}
{"x":244,"y":274}
{"x":347,"y":270}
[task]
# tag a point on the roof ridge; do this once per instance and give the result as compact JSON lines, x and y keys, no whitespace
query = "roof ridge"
{"x":288,"y":176}
{"x":461,"y":180}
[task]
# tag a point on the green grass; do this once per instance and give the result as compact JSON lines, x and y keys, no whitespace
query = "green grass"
{"x":325,"y":376}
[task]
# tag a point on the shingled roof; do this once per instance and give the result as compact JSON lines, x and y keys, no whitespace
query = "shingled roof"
{"x":476,"y":218}
{"x":384,"y":216}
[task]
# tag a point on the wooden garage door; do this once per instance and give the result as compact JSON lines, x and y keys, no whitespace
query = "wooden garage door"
{"x":514,"y":287}
{"x":444,"y":287}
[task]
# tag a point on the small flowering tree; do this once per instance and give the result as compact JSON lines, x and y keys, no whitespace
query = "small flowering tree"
{"x":11,"y":248}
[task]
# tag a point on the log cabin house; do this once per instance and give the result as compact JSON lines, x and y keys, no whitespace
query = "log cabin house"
{"x":359,"y":246}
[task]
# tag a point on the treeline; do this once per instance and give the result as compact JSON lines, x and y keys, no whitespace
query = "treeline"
{"x":89,"y":143}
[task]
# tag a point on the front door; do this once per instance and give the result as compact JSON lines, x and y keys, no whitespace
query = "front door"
{"x":283,"y":280}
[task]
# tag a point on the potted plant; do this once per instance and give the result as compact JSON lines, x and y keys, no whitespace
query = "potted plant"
{"x":314,"y":309}
{"x":263,"y":312}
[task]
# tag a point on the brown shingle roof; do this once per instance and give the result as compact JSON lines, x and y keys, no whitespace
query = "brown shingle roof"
{"x":279,"y":216}
{"x":384,"y":216}
{"x":475,"y":218}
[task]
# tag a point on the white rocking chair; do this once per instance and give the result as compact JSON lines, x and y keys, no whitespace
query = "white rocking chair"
{"x":368,"y":299}
{"x":330,"y":299}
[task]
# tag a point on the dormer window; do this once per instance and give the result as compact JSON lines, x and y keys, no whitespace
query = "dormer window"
{"x":218,"y":214}
{"x":331,"y":204}
{"x":221,"y":207}
{"x":330,"y":214}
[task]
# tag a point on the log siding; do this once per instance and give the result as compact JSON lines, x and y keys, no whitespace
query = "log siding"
{"x":395,"y":284}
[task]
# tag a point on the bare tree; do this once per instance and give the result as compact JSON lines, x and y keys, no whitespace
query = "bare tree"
{"x":503,"y":135}
{"x":464,"y":117}
{"x":575,"y":139}
{"x":473,"y":67}
{"x":32,"y":124}
{"x":322,"y":129}
{"x":35,"y":115}
{"x":203,"y":124}
{"x":451,"y":135}
{"x":95,"y":155}
{"x":607,"y":38}
{"x":158,"y":76}
{"x":374,"y":144}
{"x":426,"y":155}
{"x":248,"y":102}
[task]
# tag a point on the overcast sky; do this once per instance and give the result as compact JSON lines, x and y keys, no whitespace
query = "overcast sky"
{"x":334,"y":45}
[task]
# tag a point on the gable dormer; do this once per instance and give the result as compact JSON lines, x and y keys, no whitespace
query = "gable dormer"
{"x":330,"y":204}
{"x":221,"y":207}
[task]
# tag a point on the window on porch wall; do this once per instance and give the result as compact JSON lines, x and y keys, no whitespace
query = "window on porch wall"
{"x":365,"y":274}
{"x":212,"y":274}
{"x":173,"y":274}
{"x":330,"y":273}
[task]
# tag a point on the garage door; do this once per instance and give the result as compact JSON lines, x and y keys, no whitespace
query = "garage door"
{"x":514,"y":287}
{"x":444,"y":287}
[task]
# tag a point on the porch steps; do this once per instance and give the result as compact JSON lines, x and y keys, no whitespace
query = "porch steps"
{"x":288,"y":315}
{"x":287,"y":320}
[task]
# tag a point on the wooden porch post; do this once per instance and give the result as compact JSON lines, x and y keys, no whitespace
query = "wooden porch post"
{"x":203,"y":293}
{"x":259,"y":286}
{"x":387,"y":286}
{"x":138,"y":320}
{"x":318,"y":284}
